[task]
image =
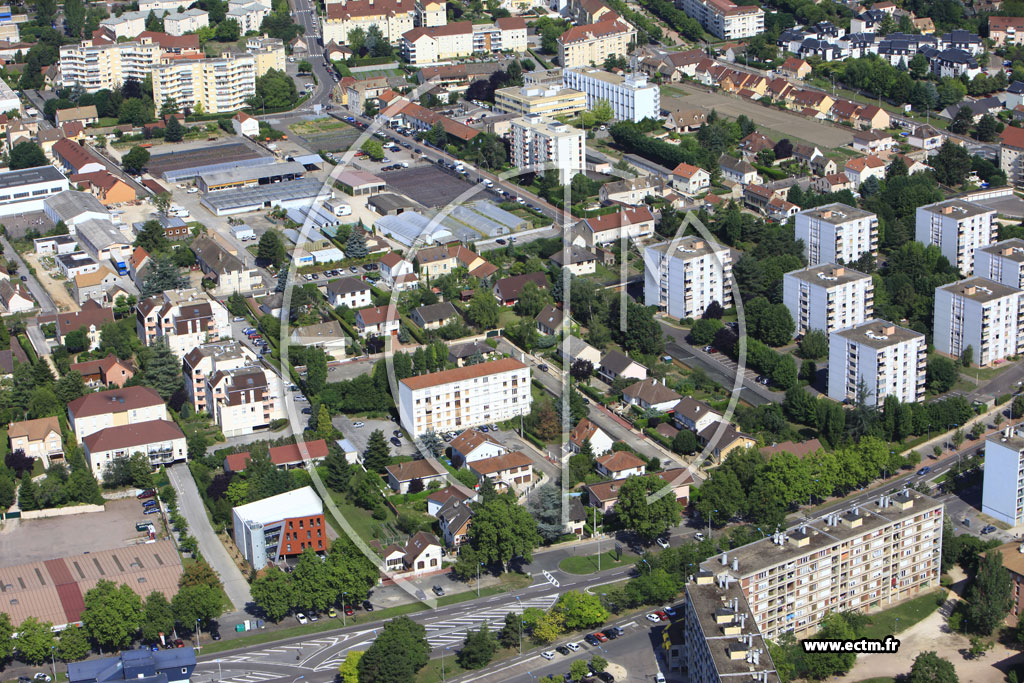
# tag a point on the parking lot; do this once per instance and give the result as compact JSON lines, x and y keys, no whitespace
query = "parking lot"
{"x":36,"y":540}
{"x":359,"y":436}
{"x":432,"y":186}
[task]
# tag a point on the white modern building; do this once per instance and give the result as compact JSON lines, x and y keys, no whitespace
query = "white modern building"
{"x":837,"y":233}
{"x":979,"y":314}
{"x":97,"y":66}
{"x":724,"y":19}
{"x":219,"y":85}
{"x":539,"y":140}
{"x":957,"y":228}
{"x":889,"y":360}
{"x":1002,"y":262}
{"x":26,"y":189}
{"x":631,"y":97}
{"x":684,"y":276}
{"x":269,"y":530}
{"x":828,"y":297}
{"x":454,"y":400}
{"x":188,"y":21}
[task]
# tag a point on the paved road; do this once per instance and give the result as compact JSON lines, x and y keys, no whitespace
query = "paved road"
{"x":42,"y":297}
{"x":192,"y":508}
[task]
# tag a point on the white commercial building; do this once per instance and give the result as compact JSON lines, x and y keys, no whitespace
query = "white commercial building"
{"x":454,"y":400}
{"x":26,"y":189}
{"x":1002,"y":262}
{"x":538,"y":140}
{"x":957,"y":228}
{"x":683,"y":277}
{"x":631,"y":97}
{"x":128,"y":25}
{"x":828,"y":298}
{"x":281,"y":526}
{"x":888,"y":360}
{"x":1002,"y":494}
{"x":837,"y":233}
{"x":724,"y":19}
{"x":9,"y":100}
{"x":979,"y":314}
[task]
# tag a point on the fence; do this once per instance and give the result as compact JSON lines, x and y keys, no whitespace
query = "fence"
{"x":61,"y":512}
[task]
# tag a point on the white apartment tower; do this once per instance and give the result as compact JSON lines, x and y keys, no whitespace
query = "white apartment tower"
{"x":219,"y":85}
{"x":1002,"y":494}
{"x":1002,"y":262}
{"x":106,"y":66}
{"x":957,"y":228}
{"x":454,"y":400}
{"x":724,"y":19}
{"x":867,"y":557}
{"x":538,"y":140}
{"x":837,"y":233}
{"x":888,"y":359}
{"x":828,"y":297}
{"x":684,"y":276}
{"x":631,"y":97}
{"x":981,"y":314}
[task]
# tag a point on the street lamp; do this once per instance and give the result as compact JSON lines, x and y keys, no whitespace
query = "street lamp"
{"x":478,"y":579}
{"x":442,"y":661}
{"x":344,"y":618}
{"x":198,"y":632}
{"x":521,"y":625}
{"x":53,"y":662}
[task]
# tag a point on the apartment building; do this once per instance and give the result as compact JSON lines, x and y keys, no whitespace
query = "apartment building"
{"x":827,"y":297}
{"x":628,"y":223}
{"x":219,"y":85}
{"x":1011,"y":147}
{"x":887,"y":360}
{"x":958,"y":228}
{"x":225,"y":268}
{"x":184,"y":318}
{"x":538,"y":140}
{"x":95,"y":66}
{"x":432,"y":44}
{"x":1006,"y":30}
{"x":1002,"y":262}
{"x":128,"y":25}
{"x":539,"y":100}
{"x":244,"y":400}
{"x":281,"y":526}
{"x":188,"y":21}
{"x":868,"y":557}
{"x":249,"y":15}
{"x":591,"y":44}
{"x":837,"y":233}
{"x":40,"y":438}
{"x":683,"y":277}
{"x":980,"y":314}
{"x":206,"y":359}
{"x":392,"y":17}
{"x":113,"y":408}
{"x":454,"y":400}
{"x":1002,"y":494}
{"x":161,"y":442}
{"x":631,"y":97}
{"x":268,"y":52}
{"x":725,"y":20}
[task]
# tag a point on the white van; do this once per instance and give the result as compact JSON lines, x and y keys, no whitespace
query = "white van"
{"x":177,"y":211}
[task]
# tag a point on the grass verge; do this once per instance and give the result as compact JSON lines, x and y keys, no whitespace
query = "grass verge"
{"x":905,"y":615}
{"x":587,"y":564}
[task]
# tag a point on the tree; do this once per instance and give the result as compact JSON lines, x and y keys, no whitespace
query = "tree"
{"x":941,"y":374}
{"x":602,"y":111}
{"x":355,"y":247}
{"x":276,"y":89}
{"x":272,"y":593}
{"x":989,"y":597}
{"x":73,"y":644}
{"x":483,"y":310}
{"x":502,"y":530}
{"x":582,"y":463}
{"x":952,"y":164}
{"x":135,"y":160}
{"x":931,"y":668}
{"x":227,"y":31}
{"x":34,"y":641}
{"x":581,"y":369}
{"x":157,"y":618}
{"x":163,"y":370}
{"x":161,"y":275}
{"x":373,"y":148}
{"x":652,"y":587}
{"x":112,"y":614}
{"x":200,"y":603}
{"x":152,"y":237}
{"x":311,"y":588}
{"x":348,"y":671}
{"x":578,"y":670}
{"x":988,"y":128}
{"x":814,"y":345}
{"x":271,"y":248}
{"x":478,"y":648}
{"x":646,"y":520}
{"x":396,"y":654}
{"x":350,"y":571}
{"x":684,"y":442}
{"x":704,"y":330}
{"x":74,"y":18}
{"x":174,"y":132}
{"x":511,"y":633}
{"x":531,"y":301}
{"x":199,"y":573}
{"x":377,"y":455}
{"x":580,"y":610}
{"x":28,"y":494}
{"x":27,"y":155}
{"x":822,"y":665}
{"x":598,"y":663}
{"x":316,"y":371}
{"x":967,"y":357}
{"x":642,"y":333}
{"x":962,"y":121}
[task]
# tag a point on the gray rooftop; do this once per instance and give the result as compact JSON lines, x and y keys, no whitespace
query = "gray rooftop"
{"x":239,"y":197}
{"x":688,"y":247}
{"x":245,"y":174}
{"x":980,"y":289}
{"x":71,"y":203}
{"x":101,"y":233}
{"x":576,"y":255}
{"x":828,"y":275}
{"x":958,"y":208}
{"x":836,"y":214}
{"x":27,"y":176}
{"x":1010,"y":437}
{"x":879,"y":334}
{"x":389,"y":201}
{"x":1012,"y":249}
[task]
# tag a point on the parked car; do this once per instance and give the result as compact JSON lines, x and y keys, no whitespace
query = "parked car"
{"x":661,"y":616}
{"x":215,"y":634}
{"x":605,"y":677}
{"x":332,"y":613}
{"x":987,"y":529}
{"x":698,"y":536}
{"x":367,"y":606}
{"x":148,"y":493}
{"x":548,"y":654}
{"x":42,"y":677}
{"x":313,"y":616}
{"x":149,"y":511}
{"x":396,"y":441}
{"x":358,"y":424}
{"x":662,"y":543}
{"x":349,"y":611}
{"x":438,"y":591}
{"x":600,"y":637}
{"x":563,"y":650}
{"x":592,"y":639}
{"x":397,"y":432}
{"x":575,"y":647}
{"x":668,"y":610}
{"x":302,"y":618}
{"x":653,"y":618}
{"x":923,"y":471}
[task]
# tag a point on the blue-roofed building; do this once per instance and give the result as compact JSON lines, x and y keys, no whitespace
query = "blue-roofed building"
{"x":142,"y":666}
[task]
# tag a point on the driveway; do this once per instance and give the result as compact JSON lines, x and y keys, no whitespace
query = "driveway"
{"x":191,"y":506}
{"x":39,"y":292}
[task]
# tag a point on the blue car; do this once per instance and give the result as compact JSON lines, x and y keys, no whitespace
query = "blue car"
{"x":923,"y":471}
{"x":149,"y":511}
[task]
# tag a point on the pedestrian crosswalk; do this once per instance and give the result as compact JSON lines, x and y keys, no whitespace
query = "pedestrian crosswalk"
{"x":453,"y":631}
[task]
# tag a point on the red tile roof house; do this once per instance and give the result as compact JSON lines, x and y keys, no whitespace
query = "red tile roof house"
{"x":604,"y":495}
{"x":472,"y":445}
{"x":508,"y":289}
{"x":631,"y":223}
{"x":512,"y":470}
{"x":402,"y":474}
{"x":379,"y":320}
{"x":586,"y":430}
{"x":440,"y":498}
{"x":283,"y":457}
{"x":420,"y":555}
{"x":620,"y":464}
{"x":109,"y":371}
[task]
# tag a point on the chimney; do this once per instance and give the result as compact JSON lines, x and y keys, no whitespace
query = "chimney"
{"x":969,"y":291}
{"x":699,"y":244}
{"x":826,"y":214}
{"x":838,"y":272}
{"x":889,"y":329}
{"x":1007,"y":251}
{"x":946,"y":209}
{"x":725,"y":560}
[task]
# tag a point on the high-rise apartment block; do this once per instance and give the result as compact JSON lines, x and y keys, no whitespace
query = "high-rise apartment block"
{"x":724,"y":19}
{"x":958,"y":229}
{"x":883,"y":358}
{"x":454,"y":400}
{"x":980,"y":314}
{"x":837,"y":233}
{"x":105,"y":66}
{"x":631,"y":97}
{"x":869,"y":556}
{"x":1002,"y":494}
{"x":539,"y":140}
{"x":1002,"y":262}
{"x":219,"y":85}
{"x":684,"y":276}
{"x":591,"y":44}
{"x":828,"y":297}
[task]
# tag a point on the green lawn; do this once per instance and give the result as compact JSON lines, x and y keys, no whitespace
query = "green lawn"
{"x":884,"y":623}
{"x":376,"y":73}
{"x":587,"y":564}
{"x":444,"y":668}
{"x":362,"y":521}
{"x":985,"y":374}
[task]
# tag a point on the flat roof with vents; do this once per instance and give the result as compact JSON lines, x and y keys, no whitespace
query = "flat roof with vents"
{"x":957,"y":208}
{"x":1012,"y":249}
{"x":879,"y":334}
{"x":828,"y":275}
{"x":980,"y":289}
{"x":688,"y":247}
{"x":836,"y":214}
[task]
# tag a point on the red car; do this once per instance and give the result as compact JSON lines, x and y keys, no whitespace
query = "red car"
{"x":662,"y":616}
{"x":601,"y":637}
{"x":148,"y":493}
{"x":349,"y":611}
